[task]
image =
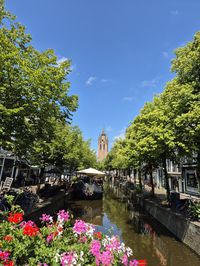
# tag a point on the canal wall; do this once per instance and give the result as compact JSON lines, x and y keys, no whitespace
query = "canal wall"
{"x":186,"y":231}
{"x":49,"y":206}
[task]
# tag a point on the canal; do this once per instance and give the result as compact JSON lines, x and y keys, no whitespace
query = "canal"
{"x":148,"y":239}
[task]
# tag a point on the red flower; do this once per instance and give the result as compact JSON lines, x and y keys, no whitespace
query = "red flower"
{"x":30,"y":230}
{"x":4,"y":255}
{"x":8,"y":263}
{"x":8,"y":238}
{"x":55,"y":233}
{"x":142,"y":263}
{"x":98,"y":235}
{"x":15,"y":217}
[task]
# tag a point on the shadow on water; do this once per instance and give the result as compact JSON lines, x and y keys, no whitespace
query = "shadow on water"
{"x":148,"y":238}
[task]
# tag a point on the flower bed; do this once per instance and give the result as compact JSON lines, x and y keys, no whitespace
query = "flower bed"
{"x":59,"y":243}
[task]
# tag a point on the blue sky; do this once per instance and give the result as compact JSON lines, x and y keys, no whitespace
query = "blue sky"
{"x":120,"y":50}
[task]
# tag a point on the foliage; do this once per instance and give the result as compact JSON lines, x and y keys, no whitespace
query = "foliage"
{"x":169,"y":126}
{"x":195,"y":210}
{"x":34,"y":91}
{"x":35,"y":104}
{"x":58,"y":243}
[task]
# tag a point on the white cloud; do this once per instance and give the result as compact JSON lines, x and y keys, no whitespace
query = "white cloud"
{"x":90,"y":80}
{"x":128,"y":99}
{"x":150,"y":83}
{"x":61,"y":60}
{"x":174,"y":12}
{"x":121,"y":134}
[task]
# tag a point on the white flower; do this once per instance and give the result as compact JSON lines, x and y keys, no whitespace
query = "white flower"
{"x":90,"y":230}
{"x":129,"y":251}
{"x":81,"y":256}
{"x":57,"y":257}
{"x":123,"y":248}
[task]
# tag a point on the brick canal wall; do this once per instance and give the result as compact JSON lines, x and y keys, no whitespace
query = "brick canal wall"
{"x":186,"y":231}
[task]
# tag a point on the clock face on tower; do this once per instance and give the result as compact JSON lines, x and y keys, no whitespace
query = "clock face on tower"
{"x":102,"y":146}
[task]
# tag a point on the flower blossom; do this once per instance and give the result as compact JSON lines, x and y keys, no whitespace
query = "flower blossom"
{"x":90,"y":230}
{"x":30,"y":230}
{"x":95,"y":247}
{"x":15,"y":217}
{"x":68,"y":259}
{"x":46,"y":218}
{"x":129,"y":252}
{"x":98,"y":235}
{"x":80,"y":227}
{"x":31,"y":223}
{"x":49,"y":238}
{"x":125,"y":260}
{"x":63,"y":216}
{"x":133,"y":263}
{"x":4,"y":255}
{"x":106,"y":258}
{"x":8,"y":238}
{"x":8,"y":263}
{"x":82,"y":239}
{"x":113,"y":245}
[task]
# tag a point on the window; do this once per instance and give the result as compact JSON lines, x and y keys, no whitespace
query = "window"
{"x":191,"y":180}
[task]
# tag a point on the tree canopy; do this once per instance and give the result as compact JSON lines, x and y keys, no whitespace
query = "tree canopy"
{"x":35,"y":104}
{"x":169,"y":126}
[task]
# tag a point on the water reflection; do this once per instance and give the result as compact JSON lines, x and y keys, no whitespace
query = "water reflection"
{"x":148,"y":239}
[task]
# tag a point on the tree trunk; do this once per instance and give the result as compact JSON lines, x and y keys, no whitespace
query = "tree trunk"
{"x":129,"y":172}
{"x":140,"y":179}
{"x":198,"y":169}
{"x":134,"y":173}
{"x":166,"y":178}
{"x":124,"y":172}
{"x":151,"y":180}
{"x":41,"y":173}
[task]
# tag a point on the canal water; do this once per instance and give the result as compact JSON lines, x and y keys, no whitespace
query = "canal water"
{"x":148,"y":239}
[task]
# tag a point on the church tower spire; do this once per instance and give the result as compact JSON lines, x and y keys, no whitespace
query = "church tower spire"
{"x":102,"y":146}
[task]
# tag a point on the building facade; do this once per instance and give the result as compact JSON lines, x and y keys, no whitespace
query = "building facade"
{"x":102,"y":146}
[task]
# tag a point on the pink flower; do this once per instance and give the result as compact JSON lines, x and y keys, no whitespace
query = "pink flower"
{"x":68,"y":259}
{"x":95,"y":247}
{"x":114,"y":244}
{"x":63,"y":216}
{"x":46,"y":218}
{"x":106,"y":258}
{"x":80,"y":227}
{"x":4,"y":255}
{"x":30,"y":223}
{"x":133,"y":263}
{"x":49,"y":238}
{"x":125,"y":260}
{"x":83,"y":239}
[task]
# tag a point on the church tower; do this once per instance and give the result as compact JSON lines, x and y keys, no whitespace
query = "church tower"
{"x":102,"y":146}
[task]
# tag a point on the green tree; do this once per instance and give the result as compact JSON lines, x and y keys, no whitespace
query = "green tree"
{"x":68,"y":149}
{"x":33,"y":88}
{"x":116,"y":158}
{"x":187,"y":66}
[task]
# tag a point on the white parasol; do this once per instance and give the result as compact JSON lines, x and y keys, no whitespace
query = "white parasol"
{"x":91,"y":172}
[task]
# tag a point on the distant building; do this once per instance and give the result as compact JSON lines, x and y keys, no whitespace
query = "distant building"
{"x":102,"y":146}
